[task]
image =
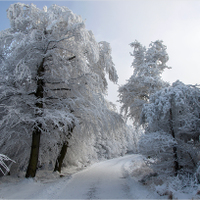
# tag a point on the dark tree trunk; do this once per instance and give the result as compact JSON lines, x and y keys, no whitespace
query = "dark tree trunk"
{"x":176,"y":164}
{"x":33,"y":161}
{"x":61,"y":156}
{"x":32,"y":167}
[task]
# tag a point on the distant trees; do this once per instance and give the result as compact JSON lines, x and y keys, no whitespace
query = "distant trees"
{"x":99,"y":139}
{"x":52,"y":80}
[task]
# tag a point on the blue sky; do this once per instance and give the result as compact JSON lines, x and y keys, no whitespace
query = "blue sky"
{"x":176,"y":22}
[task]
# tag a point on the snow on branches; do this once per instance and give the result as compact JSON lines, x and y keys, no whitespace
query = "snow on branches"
{"x":169,"y":114}
{"x":53,"y":79}
{"x":146,"y":79}
{"x":173,"y":114}
{"x":3,"y":167}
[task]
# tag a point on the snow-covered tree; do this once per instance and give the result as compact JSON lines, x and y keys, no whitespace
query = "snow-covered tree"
{"x":100,"y":139}
{"x":148,"y":67}
{"x":52,"y":79}
{"x":172,"y":119}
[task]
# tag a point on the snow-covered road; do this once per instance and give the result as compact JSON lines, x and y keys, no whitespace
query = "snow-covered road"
{"x":110,"y":179}
{"x":105,"y":180}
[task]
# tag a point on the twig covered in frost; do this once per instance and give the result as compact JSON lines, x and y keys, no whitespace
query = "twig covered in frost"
{"x":4,"y":158}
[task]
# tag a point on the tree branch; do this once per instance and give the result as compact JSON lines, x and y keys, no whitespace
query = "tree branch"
{"x":57,"y":41}
{"x":58,"y":82}
{"x":61,"y":89}
{"x":71,"y":58}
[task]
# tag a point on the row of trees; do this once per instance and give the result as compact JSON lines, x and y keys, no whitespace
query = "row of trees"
{"x":169,"y":114}
{"x":52,"y":87}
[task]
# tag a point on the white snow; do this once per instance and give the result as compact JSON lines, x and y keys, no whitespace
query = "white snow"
{"x":112,"y":179}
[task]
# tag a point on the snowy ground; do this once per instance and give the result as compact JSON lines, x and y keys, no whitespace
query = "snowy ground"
{"x":111,"y":179}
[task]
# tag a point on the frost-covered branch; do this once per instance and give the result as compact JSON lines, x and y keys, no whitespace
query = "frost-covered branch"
{"x":3,"y":166}
{"x":55,"y":41}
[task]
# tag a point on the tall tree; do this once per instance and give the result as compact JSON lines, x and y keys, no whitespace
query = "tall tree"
{"x":146,"y":79}
{"x":52,"y":73}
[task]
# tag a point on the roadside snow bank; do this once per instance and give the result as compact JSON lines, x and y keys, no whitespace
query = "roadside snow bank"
{"x":134,"y":171}
{"x":180,"y":187}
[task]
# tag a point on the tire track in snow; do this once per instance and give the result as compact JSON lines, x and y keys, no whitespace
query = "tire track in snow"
{"x":91,"y":194}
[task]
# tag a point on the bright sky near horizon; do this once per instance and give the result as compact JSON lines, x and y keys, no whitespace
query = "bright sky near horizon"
{"x":176,"y":22}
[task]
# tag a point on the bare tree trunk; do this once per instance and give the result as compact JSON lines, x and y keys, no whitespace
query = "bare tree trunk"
{"x":176,"y":164}
{"x":32,"y":167}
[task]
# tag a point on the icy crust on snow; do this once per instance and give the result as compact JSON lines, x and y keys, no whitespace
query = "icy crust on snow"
{"x":118,"y":178}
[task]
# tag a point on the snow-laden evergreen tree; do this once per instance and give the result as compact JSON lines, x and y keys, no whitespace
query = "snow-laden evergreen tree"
{"x":52,"y":78}
{"x":172,"y":119}
{"x":148,"y":65}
